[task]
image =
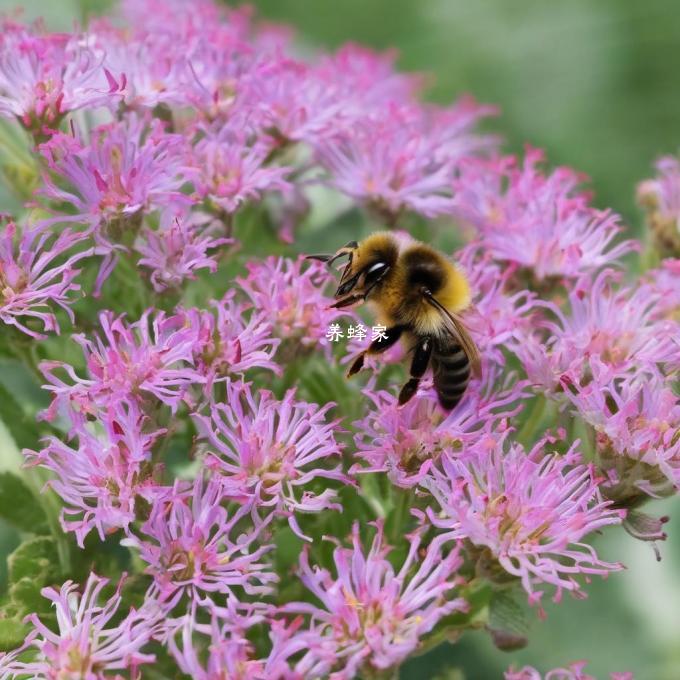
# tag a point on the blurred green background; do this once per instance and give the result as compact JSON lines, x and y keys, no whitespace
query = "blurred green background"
{"x":595,"y":83}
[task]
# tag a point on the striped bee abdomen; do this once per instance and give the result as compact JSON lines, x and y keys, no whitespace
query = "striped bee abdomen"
{"x":451,"y":373}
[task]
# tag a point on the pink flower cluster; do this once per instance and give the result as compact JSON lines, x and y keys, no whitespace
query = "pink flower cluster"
{"x":195,"y":420}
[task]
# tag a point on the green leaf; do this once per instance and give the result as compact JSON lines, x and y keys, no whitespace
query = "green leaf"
{"x":508,"y":621}
{"x":20,"y":426}
{"x":25,"y":593}
{"x":12,"y":633}
{"x":19,"y":507}
{"x":36,"y":559}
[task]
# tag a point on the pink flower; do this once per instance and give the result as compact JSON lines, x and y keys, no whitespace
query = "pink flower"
{"x":399,"y":161}
{"x":178,"y":248}
{"x":37,"y":270}
{"x":636,"y":422}
{"x":231,"y":338}
{"x":530,"y":510}
{"x":406,"y":441}
{"x":608,"y":332}
{"x":148,"y":361}
{"x":499,"y":316}
{"x":269,"y":451}
{"x":104,"y":474}
{"x":575,"y":671}
{"x":660,"y":197}
{"x":374,"y":615}
{"x":539,"y":222}
{"x":665,"y":281}
{"x":231,"y":654}
{"x":232,"y":169}
{"x":193,"y":545}
{"x":125,"y":168}
{"x":44,"y":76}
{"x":293,"y":298}
{"x":86,"y":644}
{"x":152,"y":67}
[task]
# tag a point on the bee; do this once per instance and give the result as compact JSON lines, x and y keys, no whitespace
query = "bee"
{"x":418,"y":295}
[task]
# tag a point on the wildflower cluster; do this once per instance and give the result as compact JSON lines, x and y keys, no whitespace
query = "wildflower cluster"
{"x":231,"y":506}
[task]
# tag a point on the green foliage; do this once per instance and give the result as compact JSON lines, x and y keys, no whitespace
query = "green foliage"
{"x":19,"y":507}
{"x":508,"y":620}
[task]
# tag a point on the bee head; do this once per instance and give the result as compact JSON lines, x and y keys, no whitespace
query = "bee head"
{"x":367,"y":265}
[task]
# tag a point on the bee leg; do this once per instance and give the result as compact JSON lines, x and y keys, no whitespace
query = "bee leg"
{"x":379,"y":345}
{"x":419,"y":364}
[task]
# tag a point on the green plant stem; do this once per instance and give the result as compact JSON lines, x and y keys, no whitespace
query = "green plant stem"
{"x":401,"y":505}
{"x":527,"y":432}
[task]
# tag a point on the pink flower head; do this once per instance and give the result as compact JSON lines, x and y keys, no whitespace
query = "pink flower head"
{"x":37,"y":270}
{"x":609,"y":331}
{"x":498,"y":313}
{"x":193,"y":545}
{"x":406,"y":441}
{"x":125,"y":168}
{"x":665,"y":280}
{"x":148,"y":361}
{"x":288,"y":112}
{"x":637,"y":419}
{"x":530,"y":510}
{"x":367,"y":80}
{"x":374,"y":615}
{"x":539,"y":222}
{"x":268,"y":450}
{"x":178,"y":248}
{"x":394,"y":162}
{"x":232,"y":338}
{"x":151,"y":66}
{"x":232,"y":655}
{"x":232,"y":169}
{"x":293,"y":298}
{"x":103,"y":475}
{"x":660,"y":197}
{"x":575,"y":671}
{"x":86,"y":644}
{"x":44,"y":76}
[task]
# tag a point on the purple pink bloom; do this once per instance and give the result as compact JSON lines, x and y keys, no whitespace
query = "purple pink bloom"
{"x":401,"y":161}
{"x":530,"y":510}
{"x":195,"y":546}
{"x":232,"y":170}
{"x":406,"y":441}
{"x":373,"y":614}
{"x":104,"y":472}
{"x":86,"y":644}
{"x":542,"y":223}
{"x":574,"y":671}
{"x":44,"y":76}
{"x":147,"y":361}
{"x":291,"y":293}
{"x":231,"y":338}
{"x":178,"y":248}
{"x":267,"y":451}
{"x":609,"y":331}
{"x":37,"y":270}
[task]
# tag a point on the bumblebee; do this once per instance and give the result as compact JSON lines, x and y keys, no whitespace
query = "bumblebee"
{"x":418,"y":295}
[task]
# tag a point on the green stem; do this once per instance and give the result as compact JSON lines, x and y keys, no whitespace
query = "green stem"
{"x":401,"y":505}
{"x":527,"y":432}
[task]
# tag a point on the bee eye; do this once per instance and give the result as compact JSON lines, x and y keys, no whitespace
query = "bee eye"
{"x":375,"y":272}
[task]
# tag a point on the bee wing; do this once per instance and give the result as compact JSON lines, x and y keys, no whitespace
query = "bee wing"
{"x":456,"y":327}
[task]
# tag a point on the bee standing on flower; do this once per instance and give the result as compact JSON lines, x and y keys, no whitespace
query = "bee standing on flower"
{"x":418,"y":295}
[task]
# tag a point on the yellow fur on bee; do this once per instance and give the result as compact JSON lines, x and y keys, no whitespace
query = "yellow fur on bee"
{"x":396,"y":302}
{"x":456,"y":293}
